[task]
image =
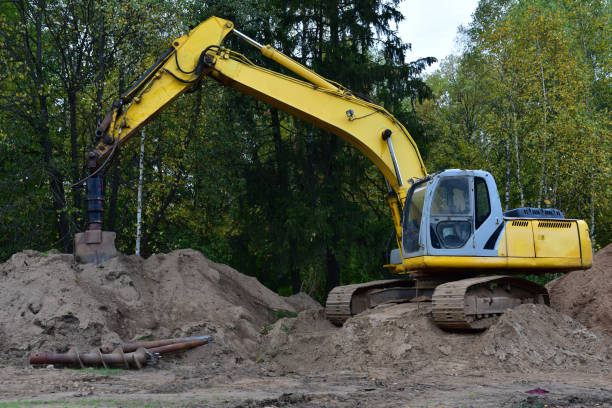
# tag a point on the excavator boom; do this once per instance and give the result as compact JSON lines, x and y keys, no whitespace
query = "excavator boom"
{"x":198,"y":54}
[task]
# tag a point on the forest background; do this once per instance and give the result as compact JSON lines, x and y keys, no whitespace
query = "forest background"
{"x":528,"y":98}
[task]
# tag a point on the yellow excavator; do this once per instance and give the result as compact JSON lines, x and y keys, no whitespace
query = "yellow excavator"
{"x":453,"y":239}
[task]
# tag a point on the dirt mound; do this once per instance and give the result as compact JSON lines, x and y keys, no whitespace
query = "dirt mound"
{"x":390,"y":335}
{"x":536,"y":336}
{"x":301,"y":301}
{"x":587,"y":295}
{"x":404,"y":337}
{"x":49,"y":303}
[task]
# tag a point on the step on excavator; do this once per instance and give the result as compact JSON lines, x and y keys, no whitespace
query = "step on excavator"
{"x":455,"y":245}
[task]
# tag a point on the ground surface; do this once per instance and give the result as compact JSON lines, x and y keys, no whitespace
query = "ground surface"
{"x":256,"y":387}
{"x":391,"y":356}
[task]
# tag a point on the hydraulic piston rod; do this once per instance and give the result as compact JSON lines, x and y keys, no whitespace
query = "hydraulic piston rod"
{"x":294,"y":66}
{"x":387,"y":136}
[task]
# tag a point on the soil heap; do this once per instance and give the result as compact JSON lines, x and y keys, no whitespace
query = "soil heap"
{"x":404,"y":337}
{"x":587,"y":295}
{"x":536,"y":336}
{"x":48,"y":303}
{"x":530,"y":337}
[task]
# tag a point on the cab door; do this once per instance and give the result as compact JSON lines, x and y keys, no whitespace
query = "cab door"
{"x":488,"y":217}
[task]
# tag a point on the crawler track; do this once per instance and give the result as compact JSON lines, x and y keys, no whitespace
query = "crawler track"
{"x":476,"y":303}
{"x":349,"y":300}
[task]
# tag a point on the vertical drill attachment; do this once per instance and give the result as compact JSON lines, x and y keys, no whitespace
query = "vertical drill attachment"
{"x":94,"y":245}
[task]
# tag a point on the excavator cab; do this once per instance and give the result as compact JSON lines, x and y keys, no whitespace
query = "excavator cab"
{"x":454,"y":212}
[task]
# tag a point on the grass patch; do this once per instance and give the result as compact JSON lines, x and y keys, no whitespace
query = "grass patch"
{"x":19,"y":403}
{"x":88,"y":403}
{"x":148,"y":337}
{"x":103,"y":371}
{"x":281,"y":314}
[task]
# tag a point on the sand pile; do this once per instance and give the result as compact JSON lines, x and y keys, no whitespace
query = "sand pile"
{"x":587,"y":295}
{"x":403,"y":336}
{"x":536,"y":336}
{"x":48,"y":303}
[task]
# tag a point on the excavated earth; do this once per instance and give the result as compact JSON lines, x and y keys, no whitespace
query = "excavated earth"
{"x":389,"y":356}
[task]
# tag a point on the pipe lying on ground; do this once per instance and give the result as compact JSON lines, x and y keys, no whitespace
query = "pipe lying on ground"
{"x":118,"y":358}
{"x":155,"y":343}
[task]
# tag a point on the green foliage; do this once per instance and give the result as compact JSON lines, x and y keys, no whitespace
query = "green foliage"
{"x":542,"y":279}
{"x":525,"y":101}
{"x":281,"y":314}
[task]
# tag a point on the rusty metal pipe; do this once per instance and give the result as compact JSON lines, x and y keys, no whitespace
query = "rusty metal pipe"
{"x":185,"y":345}
{"x":118,"y":358}
{"x":127,"y":348}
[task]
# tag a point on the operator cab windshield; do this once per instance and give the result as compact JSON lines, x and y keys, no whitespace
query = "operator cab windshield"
{"x":451,"y":213}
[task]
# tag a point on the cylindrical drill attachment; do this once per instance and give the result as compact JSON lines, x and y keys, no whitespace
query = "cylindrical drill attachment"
{"x":95,"y":202}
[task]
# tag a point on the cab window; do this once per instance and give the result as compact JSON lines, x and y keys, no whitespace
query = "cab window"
{"x":451,"y":211}
{"x":412,"y":219}
{"x":483,"y":205}
{"x":452,"y":197}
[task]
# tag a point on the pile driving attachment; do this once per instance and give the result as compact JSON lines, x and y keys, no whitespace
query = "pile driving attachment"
{"x":94,"y":245}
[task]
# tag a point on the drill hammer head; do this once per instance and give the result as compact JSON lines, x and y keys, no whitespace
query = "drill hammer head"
{"x":94,"y":246}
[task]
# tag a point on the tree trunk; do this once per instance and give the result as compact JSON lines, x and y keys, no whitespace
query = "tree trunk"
{"x":554,"y":197}
{"x":34,"y":60}
{"x":542,"y":174}
{"x":77,"y":161}
{"x":517,"y":156}
{"x":592,"y":212}
{"x":543,"y":183}
{"x":285,"y":199}
{"x":508,"y":160}
{"x":100,"y":57}
{"x":333,"y":270}
{"x":140,"y":178}
{"x":115,"y":180}
{"x":116,"y":173}
{"x":296,"y":280}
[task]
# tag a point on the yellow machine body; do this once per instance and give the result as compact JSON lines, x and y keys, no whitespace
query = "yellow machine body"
{"x":532,"y":246}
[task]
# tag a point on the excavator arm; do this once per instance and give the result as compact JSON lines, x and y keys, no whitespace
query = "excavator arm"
{"x":365,"y":125}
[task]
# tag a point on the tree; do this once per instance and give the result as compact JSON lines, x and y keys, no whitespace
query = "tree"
{"x":538,"y":96}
